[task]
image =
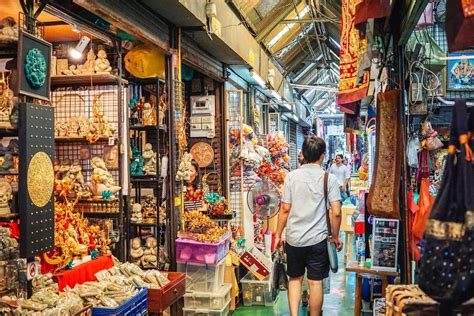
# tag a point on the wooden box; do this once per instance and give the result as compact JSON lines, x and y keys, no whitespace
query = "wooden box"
{"x":160,"y":299}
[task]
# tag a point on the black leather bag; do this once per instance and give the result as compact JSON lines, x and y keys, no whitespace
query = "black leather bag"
{"x":446,"y":270}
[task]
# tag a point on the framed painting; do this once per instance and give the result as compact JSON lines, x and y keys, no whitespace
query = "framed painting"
{"x":34,"y":64}
{"x":460,"y":76}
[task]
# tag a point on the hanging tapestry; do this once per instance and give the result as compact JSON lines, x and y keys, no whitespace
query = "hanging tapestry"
{"x":353,"y":48}
{"x":383,"y":200}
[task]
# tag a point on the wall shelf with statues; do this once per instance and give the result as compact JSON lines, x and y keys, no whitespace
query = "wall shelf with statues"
{"x":150,"y":184}
{"x":89,"y":108}
{"x":64,"y":80}
{"x":83,"y":139}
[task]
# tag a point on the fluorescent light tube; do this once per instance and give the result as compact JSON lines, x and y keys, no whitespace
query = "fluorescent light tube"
{"x":257,"y":78}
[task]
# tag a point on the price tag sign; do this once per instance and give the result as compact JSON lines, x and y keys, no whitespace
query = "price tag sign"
{"x":32,"y":270}
{"x":111,"y":141}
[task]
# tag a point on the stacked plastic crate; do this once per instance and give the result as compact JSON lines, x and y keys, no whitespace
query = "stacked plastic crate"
{"x":206,"y":292}
{"x":204,"y":265}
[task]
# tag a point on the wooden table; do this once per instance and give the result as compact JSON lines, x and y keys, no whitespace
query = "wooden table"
{"x":363,"y":271}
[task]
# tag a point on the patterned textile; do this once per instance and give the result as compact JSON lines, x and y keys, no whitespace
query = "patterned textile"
{"x":383,"y":198}
{"x":353,"y":48}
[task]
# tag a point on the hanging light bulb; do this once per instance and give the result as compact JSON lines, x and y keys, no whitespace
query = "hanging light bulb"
{"x":76,"y":52}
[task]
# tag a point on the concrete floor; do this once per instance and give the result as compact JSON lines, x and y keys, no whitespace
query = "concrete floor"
{"x":340,"y":302}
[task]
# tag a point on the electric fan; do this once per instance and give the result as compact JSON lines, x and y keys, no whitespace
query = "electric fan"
{"x":263,"y":200}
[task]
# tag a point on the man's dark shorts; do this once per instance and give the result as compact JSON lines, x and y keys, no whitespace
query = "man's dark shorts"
{"x":314,"y":259}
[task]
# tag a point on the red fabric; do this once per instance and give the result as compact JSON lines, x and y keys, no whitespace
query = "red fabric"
{"x":414,"y":208}
{"x":371,"y":9}
{"x":353,"y":48}
{"x":14,"y":228}
{"x":84,"y":272}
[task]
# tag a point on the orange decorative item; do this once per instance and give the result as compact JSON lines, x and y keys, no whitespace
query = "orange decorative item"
{"x":73,"y":236}
{"x":203,"y":154}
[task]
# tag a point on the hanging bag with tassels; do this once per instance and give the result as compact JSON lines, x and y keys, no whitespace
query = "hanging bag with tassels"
{"x":446,"y":270}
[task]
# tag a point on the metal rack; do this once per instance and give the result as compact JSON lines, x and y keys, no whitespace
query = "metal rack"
{"x":73,"y":97}
{"x":156,"y":186}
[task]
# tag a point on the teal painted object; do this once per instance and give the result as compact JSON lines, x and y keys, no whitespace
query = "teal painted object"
{"x":136,"y":166}
{"x":106,"y":195}
{"x":35,"y":68}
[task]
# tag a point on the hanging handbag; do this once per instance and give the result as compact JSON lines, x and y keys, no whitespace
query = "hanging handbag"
{"x":446,"y":268}
{"x":459,"y":24}
{"x":332,"y":250}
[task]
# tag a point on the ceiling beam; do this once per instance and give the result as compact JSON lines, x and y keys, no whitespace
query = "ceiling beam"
{"x":304,"y":21}
{"x":263,"y":33}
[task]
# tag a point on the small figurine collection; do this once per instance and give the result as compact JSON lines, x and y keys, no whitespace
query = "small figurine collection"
{"x":101,"y":186}
{"x":146,"y":212}
{"x":145,"y":112}
{"x":143,"y":163}
{"x":94,"y":64}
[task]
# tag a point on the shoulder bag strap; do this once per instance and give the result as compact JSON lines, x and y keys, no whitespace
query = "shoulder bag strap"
{"x":328,"y":219}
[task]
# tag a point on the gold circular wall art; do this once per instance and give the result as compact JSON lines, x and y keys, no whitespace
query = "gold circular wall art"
{"x":40,"y":179}
{"x":203,"y":154}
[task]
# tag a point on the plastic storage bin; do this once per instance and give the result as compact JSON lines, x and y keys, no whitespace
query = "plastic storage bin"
{"x":136,"y":306}
{"x":206,"y":312}
{"x":188,"y":250}
{"x":215,"y":300}
{"x":203,"y":277}
{"x":255,"y":292}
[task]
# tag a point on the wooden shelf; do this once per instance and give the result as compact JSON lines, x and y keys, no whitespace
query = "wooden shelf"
{"x":81,"y":139}
{"x":101,"y":215}
{"x":148,"y":127}
{"x":143,"y":224}
{"x":145,"y":179}
{"x":85,"y":80}
{"x":9,"y":217}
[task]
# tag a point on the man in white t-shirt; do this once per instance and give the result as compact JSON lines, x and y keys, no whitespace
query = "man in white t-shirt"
{"x":343,"y":175}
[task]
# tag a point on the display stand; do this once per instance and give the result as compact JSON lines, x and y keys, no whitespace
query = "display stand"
{"x":145,"y":130}
{"x":360,"y":273}
{"x":84,"y":272}
{"x":92,"y":97}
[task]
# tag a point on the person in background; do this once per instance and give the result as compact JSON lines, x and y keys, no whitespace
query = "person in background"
{"x":343,"y":175}
{"x":303,"y":214}
{"x":300,"y":159}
